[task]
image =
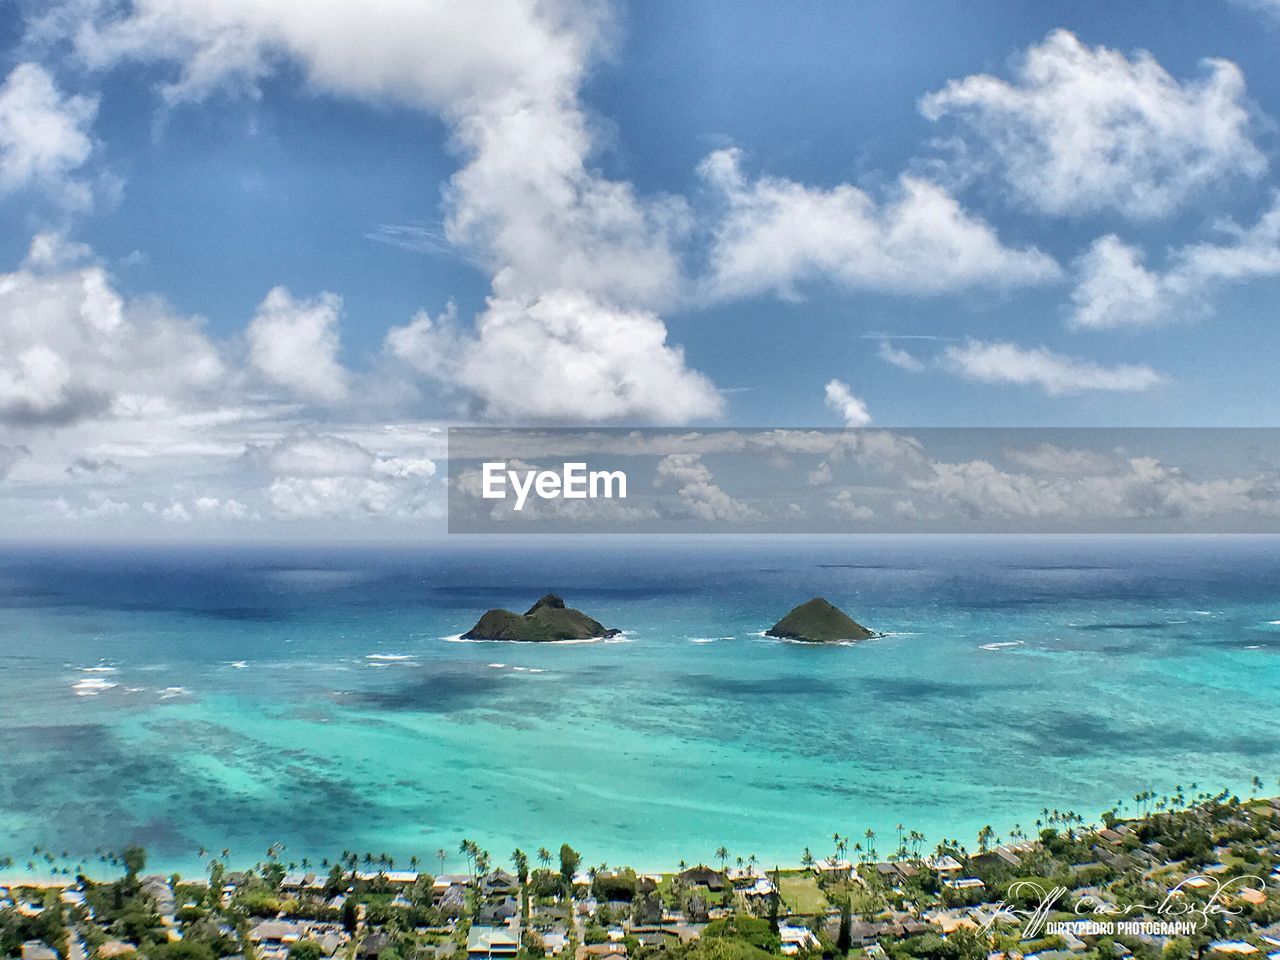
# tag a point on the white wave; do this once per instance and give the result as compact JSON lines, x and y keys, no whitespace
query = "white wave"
{"x":900,"y":633}
{"x":497,"y":666}
{"x":535,"y":670}
{"x":92,"y":686}
{"x":168,"y":693}
{"x":1203,"y":613}
{"x":705,"y":639}
{"x":1254,"y":646}
{"x":1001,"y":645}
{"x":238,"y":664}
{"x":101,"y":669}
{"x":390,"y":657}
{"x":1273,"y":623}
{"x":624,"y":638}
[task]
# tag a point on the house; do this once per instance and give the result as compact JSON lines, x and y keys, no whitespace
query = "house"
{"x":965,"y":883}
{"x":602,"y":951}
{"x":946,"y":866}
{"x":484,"y":943}
{"x":373,"y":946}
{"x":796,"y":939}
{"x":554,"y":942}
{"x":498,"y":882}
{"x":453,"y":902}
{"x":35,"y":950}
{"x":1111,"y":836}
{"x":499,"y":913}
{"x":446,"y":880}
{"x":704,"y":876}
{"x":1240,"y":947}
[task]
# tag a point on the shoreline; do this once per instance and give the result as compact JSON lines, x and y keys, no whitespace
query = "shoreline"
{"x":14,"y":877}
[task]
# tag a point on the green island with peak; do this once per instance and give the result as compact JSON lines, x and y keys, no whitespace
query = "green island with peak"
{"x":818,"y":621}
{"x":547,"y":621}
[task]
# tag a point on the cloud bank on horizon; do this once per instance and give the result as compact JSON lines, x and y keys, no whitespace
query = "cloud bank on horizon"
{"x":1054,"y":224}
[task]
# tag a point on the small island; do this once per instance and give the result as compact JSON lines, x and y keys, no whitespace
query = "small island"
{"x":547,"y":621}
{"x":818,"y":621}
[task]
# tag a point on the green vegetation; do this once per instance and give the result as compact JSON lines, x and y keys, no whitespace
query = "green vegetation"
{"x":950,"y":903}
{"x":817,"y":621}
{"x":547,"y":620}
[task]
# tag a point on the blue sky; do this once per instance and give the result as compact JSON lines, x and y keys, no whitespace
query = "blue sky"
{"x":881,"y":213}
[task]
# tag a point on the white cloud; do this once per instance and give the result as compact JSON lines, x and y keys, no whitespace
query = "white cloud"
{"x":699,"y":495}
{"x":1116,"y":289}
{"x":1137,"y":488}
{"x":431,"y":345}
{"x":778,"y":234}
{"x":1062,"y":461}
{"x":1084,"y":129}
{"x":900,"y":358}
{"x":71,"y":348}
{"x":294,"y":344}
{"x":1055,"y":373}
{"x":44,"y":136}
{"x":323,"y":476}
{"x":573,"y":255}
{"x":216,"y":507}
{"x":568,"y":356}
{"x":848,"y":508}
{"x":841,"y":399}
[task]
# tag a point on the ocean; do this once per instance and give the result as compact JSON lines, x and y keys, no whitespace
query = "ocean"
{"x":318,"y":699}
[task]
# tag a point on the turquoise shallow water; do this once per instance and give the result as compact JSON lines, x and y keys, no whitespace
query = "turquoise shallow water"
{"x":239,"y":698}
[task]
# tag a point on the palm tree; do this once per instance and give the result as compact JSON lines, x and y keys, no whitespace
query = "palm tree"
{"x":722,"y":854}
{"x":544,"y":857}
{"x":441,"y":855}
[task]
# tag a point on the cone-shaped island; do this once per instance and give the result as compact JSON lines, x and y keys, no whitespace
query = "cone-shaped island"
{"x":547,"y":621}
{"x":818,"y":621}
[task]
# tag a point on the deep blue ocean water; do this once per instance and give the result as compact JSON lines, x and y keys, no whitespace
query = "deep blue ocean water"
{"x":239,"y":697}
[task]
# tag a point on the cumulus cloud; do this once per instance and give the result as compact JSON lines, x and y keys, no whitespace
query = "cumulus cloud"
{"x":44,"y":136}
{"x":778,"y":234}
{"x":851,"y":409}
{"x":564,"y":356}
{"x":902,"y":359}
{"x":294,"y":344}
{"x":845,"y":505}
{"x":1083,"y":129}
{"x":1052,"y":459}
{"x":325,"y":477}
{"x":699,"y":495}
{"x":71,"y":347}
{"x":1055,"y":373}
{"x":1115,"y":287}
{"x":1141,"y":487}
{"x":575,"y":258}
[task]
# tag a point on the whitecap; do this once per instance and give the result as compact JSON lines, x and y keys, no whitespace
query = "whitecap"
{"x":390,"y":657}
{"x":168,"y":693}
{"x":497,"y":666}
{"x":1273,"y":623}
{"x":1254,"y":646}
{"x":1001,"y":644}
{"x":99,"y":669}
{"x":237,"y":664}
{"x":92,"y":686}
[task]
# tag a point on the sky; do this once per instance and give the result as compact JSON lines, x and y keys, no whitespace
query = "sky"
{"x":258,"y":255}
